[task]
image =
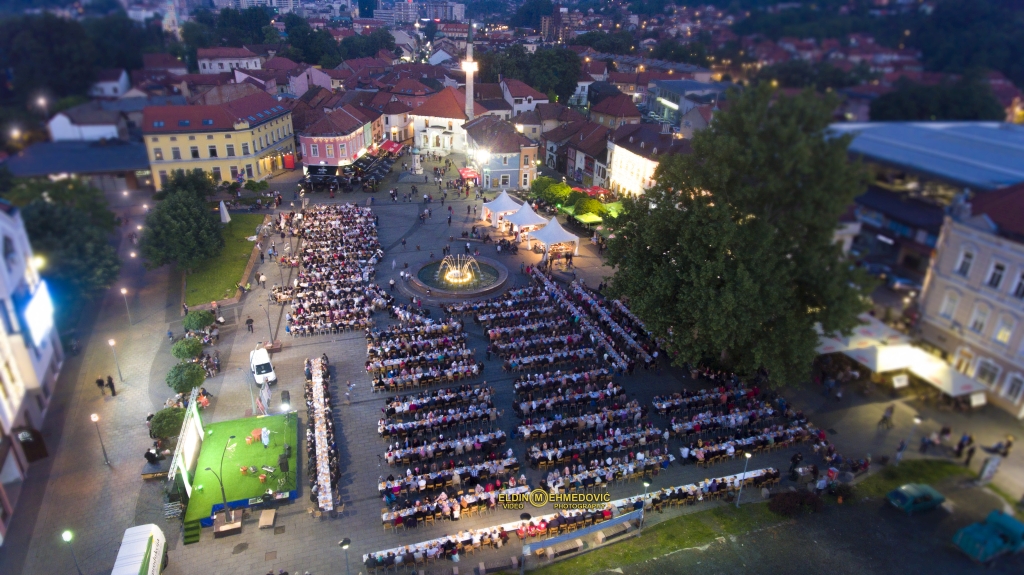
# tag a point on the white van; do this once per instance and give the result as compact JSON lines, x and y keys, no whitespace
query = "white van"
{"x":262,"y":369}
{"x":143,"y":552}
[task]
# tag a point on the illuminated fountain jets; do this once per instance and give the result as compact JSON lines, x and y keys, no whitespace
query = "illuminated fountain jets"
{"x":458,"y":270}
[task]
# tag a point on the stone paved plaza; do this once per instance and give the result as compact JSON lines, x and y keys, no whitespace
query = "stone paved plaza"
{"x":73,"y":489}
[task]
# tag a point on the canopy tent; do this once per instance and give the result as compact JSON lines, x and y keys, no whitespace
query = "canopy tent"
{"x":589,"y":218}
{"x":554,"y":233}
{"x":883,"y":358}
{"x":946,"y":379}
{"x":525,"y":217}
{"x":469,"y":174}
{"x":391,"y":147}
{"x":501,"y":206}
{"x":871,"y":333}
{"x":593,"y":191}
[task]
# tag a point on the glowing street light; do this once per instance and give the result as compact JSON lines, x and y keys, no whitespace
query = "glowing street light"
{"x":67,"y":536}
{"x":743,"y":478}
{"x":96,"y":420}
{"x":111,"y":343}
{"x":124,"y":293}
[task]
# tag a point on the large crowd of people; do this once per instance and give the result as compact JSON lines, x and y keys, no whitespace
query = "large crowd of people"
{"x":321,"y":449}
{"x":418,"y":352}
{"x":333,"y":290}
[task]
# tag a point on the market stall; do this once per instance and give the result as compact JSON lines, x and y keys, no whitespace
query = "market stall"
{"x":553,"y":234}
{"x":502,"y":206}
{"x":525,"y":220}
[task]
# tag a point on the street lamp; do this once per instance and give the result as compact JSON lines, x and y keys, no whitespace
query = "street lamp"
{"x":743,"y":478}
{"x":344,"y":543}
{"x":124,"y":293}
{"x":120,"y":377}
{"x":43,"y":104}
{"x":96,"y":420}
{"x":228,"y":513}
{"x":643,"y":508}
{"x":66,"y":536}
{"x":899,"y":454}
{"x":270,"y":329}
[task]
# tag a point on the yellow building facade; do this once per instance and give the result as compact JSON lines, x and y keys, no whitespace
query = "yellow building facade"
{"x":246,"y":139}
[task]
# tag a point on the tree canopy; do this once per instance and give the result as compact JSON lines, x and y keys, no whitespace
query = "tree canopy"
{"x":198,"y":319}
{"x":965,"y":99}
{"x":821,"y":75}
{"x":552,"y":71}
{"x":528,"y":15}
{"x":187,"y":348}
{"x":730,"y":256}
{"x":184,"y":377}
{"x":181,"y":230}
{"x":45,"y":53}
{"x":167,"y":422}
{"x":614,"y":43}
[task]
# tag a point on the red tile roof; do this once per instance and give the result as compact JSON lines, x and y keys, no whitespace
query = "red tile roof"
{"x":520,"y":89}
{"x":256,"y":109}
{"x":448,"y":103}
{"x":409,"y":87}
{"x":340,"y":122}
{"x":617,"y":106}
{"x":1004,"y":207}
{"x":226,"y":52}
{"x":161,"y":62}
{"x":498,"y":135}
{"x":280,"y":63}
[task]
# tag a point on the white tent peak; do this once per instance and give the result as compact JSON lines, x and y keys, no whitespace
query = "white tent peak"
{"x":525,"y":216}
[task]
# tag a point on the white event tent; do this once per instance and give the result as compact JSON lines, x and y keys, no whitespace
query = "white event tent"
{"x":554,"y":233}
{"x":501,"y":206}
{"x":526,"y":220}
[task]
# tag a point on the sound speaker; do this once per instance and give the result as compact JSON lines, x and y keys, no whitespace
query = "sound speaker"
{"x":282,"y":463}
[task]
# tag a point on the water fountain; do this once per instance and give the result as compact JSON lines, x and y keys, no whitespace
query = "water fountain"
{"x":460,"y":275}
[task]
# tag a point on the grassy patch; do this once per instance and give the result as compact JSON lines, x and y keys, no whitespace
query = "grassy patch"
{"x":215,"y":279}
{"x":691,"y":530}
{"x":929,"y":471}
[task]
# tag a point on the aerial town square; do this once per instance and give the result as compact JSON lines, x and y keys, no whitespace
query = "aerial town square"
{"x":325,"y":287}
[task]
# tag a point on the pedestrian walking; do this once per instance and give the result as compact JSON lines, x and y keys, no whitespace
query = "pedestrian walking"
{"x":886,"y":420}
{"x":900,"y":450}
{"x":184,"y":309}
{"x":248,"y":324}
{"x":403,"y":242}
{"x":449,"y":221}
{"x":170,"y":335}
{"x":924,"y":445}
{"x":102,"y":385}
{"x":263,"y":280}
{"x":391,"y":282}
{"x":970,"y":454}
{"x":262,"y":257}
{"x":110,"y":384}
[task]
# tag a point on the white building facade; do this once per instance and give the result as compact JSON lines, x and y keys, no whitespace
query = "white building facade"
{"x":218,"y":60}
{"x":30,"y":360}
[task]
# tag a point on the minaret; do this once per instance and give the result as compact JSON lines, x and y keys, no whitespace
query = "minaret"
{"x":469,"y":67}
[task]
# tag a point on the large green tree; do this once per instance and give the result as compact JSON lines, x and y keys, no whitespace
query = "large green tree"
{"x":529,"y":14}
{"x":730,"y":257}
{"x":45,"y":53}
{"x":181,"y":230}
{"x":555,"y":71}
{"x":965,"y":99}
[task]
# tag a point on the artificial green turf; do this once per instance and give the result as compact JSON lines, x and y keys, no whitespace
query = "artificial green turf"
{"x":690,"y":530}
{"x":215,"y":278}
{"x":928,"y":471}
{"x":236,"y":485}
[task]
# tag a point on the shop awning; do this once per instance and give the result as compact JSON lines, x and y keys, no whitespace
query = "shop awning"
{"x":886,"y":358}
{"x":596,"y":191}
{"x":391,"y":147}
{"x":468,"y":174}
{"x":589,"y":218}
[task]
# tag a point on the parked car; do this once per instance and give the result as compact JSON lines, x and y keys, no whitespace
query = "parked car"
{"x":897,"y":283}
{"x":914,"y":497}
{"x":262,"y":369}
{"x":998,"y":534}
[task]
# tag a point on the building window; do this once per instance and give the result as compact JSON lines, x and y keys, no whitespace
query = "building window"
{"x":1014,"y":387}
{"x":158,"y":154}
{"x":1004,"y":330}
{"x":230,"y":150}
{"x":194,"y":151}
{"x":980,"y":318}
{"x":1018,"y":290}
{"x":175,"y":153}
{"x":526,"y":160}
{"x":314,"y":150}
{"x":504,"y":180}
{"x":163,"y":178}
{"x":504,"y":160}
{"x":216,"y":174}
{"x":987,"y":372}
{"x":995,"y":277}
{"x":213,"y":151}
{"x":526,"y":180}
{"x":234,"y":173}
{"x":245,"y":149}
{"x":248,"y":171}
{"x":964,"y":267}
{"x":330,"y":151}
{"x":948,"y":309}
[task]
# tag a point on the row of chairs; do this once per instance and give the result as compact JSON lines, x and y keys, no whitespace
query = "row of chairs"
{"x":425,"y":381}
{"x":556,"y":383}
{"x":461,"y":425}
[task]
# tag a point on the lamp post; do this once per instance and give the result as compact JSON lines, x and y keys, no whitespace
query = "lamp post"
{"x":743,"y":478}
{"x":270,"y":329}
{"x":111,"y":343}
{"x":344,"y":543}
{"x":899,"y":453}
{"x":66,"y":536}
{"x":45,"y":106}
{"x":124,"y":294}
{"x":96,"y":420}
{"x":229,"y":514}
{"x":643,"y":508}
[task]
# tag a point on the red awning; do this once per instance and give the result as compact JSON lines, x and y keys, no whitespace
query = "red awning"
{"x":391,"y":147}
{"x":468,"y":174}
{"x":596,"y":191}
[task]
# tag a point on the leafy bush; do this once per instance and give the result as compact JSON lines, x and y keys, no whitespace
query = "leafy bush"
{"x":167,"y":422}
{"x":574,"y":197}
{"x":590,"y":206}
{"x":557,"y":193}
{"x":254,"y":186}
{"x":540,"y":185}
{"x":187,"y":348}
{"x":196,"y":320}
{"x":185,"y":377}
{"x":844,"y":490}
{"x":795,"y":503}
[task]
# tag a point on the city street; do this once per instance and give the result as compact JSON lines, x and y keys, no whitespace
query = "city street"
{"x":73,"y":489}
